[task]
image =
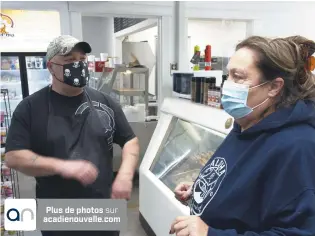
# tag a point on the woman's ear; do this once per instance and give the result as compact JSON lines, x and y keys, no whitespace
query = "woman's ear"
{"x":276,"y":87}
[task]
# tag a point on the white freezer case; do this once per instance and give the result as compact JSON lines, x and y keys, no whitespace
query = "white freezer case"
{"x":186,"y":136}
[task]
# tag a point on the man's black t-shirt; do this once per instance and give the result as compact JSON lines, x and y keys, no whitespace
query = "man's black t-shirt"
{"x":28,"y":129}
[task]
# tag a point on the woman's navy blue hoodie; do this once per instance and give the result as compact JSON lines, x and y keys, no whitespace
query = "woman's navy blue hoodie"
{"x":262,"y":181}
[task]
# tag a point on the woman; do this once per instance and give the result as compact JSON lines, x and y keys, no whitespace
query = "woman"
{"x":261,"y":180}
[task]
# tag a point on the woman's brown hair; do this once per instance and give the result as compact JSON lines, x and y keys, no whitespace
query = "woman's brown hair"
{"x":285,"y":58}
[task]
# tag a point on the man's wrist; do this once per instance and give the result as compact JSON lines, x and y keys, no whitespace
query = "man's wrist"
{"x":56,"y":166}
{"x":125,"y":175}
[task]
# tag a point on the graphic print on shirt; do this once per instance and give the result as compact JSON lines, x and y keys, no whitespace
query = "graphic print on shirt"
{"x":207,"y":184}
{"x":106,"y":115}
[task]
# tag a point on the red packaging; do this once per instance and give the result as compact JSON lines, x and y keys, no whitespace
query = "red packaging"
{"x":208,"y":58}
{"x":99,"y":66}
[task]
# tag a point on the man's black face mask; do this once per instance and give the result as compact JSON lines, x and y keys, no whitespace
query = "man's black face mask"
{"x":75,"y":74}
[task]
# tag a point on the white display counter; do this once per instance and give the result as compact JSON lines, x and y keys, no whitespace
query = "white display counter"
{"x":186,"y":136}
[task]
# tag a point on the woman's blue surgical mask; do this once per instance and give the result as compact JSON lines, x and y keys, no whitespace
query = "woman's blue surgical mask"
{"x":234,"y":99}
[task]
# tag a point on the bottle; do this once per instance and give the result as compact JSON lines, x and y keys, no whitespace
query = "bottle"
{"x":208,"y":58}
{"x":217,"y":97}
{"x":209,"y":91}
{"x":224,"y":78}
{"x":202,"y":80}
{"x":210,"y":88}
{"x":193,"y":89}
{"x":213,"y":92}
{"x":205,"y":91}
{"x":33,"y":62}
{"x":196,"y":58}
{"x":17,"y":66}
{"x":198,"y":89}
{"x":175,"y":83}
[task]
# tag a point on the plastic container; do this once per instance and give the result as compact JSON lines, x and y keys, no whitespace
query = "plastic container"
{"x":104,"y":56}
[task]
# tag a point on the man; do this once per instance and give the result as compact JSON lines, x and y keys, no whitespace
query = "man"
{"x":63,"y":135}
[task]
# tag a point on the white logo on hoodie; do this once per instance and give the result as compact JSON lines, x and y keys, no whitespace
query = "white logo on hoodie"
{"x":207,"y":184}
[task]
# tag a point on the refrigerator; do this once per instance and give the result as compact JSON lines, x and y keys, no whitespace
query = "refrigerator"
{"x":22,"y":74}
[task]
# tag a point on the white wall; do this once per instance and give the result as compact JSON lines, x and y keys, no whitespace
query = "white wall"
{"x":284,"y":25}
{"x":150,"y":36}
{"x":270,"y":18}
{"x":99,"y":33}
{"x":221,"y":35}
{"x":93,"y":33}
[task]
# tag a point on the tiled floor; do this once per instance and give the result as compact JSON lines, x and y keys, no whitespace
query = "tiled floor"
{"x":134,"y":228}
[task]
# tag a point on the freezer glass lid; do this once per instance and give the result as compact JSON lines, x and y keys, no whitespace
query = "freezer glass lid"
{"x":185,"y":150}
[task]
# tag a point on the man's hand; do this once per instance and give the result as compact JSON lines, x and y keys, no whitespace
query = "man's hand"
{"x":81,"y":170}
{"x":189,"y":226}
{"x":122,"y":187}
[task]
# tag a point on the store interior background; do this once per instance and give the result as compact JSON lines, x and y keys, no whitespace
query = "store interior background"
{"x":171,"y":29}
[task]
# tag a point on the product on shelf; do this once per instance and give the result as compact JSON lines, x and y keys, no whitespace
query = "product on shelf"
{"x":2,"y":191}
{"x":205,"y":90}
{"x":2,"y":207}
{"x":28,"y":63}
{"x":2,"y":154}
{"x":193,"y":89}
{"x":202,"y":84}
{"x":8,"y":188}
{"x":7,"y":183}
{"x":217,"y":97}
{"x":196,"y":58}
{"x":33,"y":61}
{"x":224,"y":78}
{"x":211,"y":92}
{"x":6,"y":173}
{"x":3,"y":135}
{"x":208,"y":58}
{"x":5,"y":64}
{"x":16,"y":63}
{"x":198,"y":89}
{"x":39,"y":63}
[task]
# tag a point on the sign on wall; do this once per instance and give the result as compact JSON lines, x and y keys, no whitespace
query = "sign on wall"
{"x":6,"y":26}
{"x":28,"y":31}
